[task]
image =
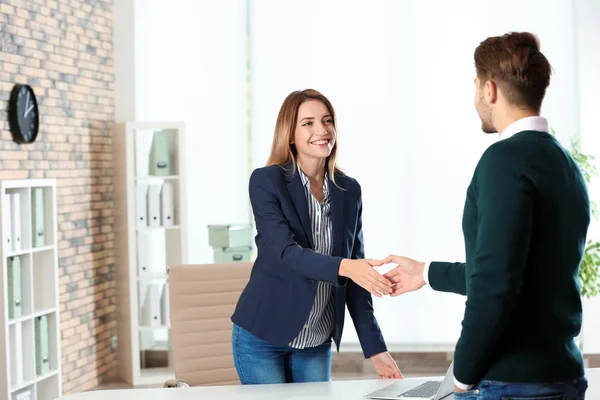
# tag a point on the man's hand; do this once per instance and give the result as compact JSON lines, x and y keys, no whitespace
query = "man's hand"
{"x":363,"y":274}
{"x":386,"y":366}
{"x":407,"y":276}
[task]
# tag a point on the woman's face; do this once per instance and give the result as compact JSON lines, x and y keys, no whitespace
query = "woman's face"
{"x":314,"y":136}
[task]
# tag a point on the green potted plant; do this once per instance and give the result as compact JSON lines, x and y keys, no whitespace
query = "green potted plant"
{"x":589,"y":271}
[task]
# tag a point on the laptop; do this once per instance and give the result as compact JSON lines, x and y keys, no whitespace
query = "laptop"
{"x":418,"y":389}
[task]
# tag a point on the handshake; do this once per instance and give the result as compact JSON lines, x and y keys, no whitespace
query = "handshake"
{"x":406,"y":277}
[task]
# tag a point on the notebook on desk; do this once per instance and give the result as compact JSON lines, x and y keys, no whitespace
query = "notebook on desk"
{"x":418,"y":390}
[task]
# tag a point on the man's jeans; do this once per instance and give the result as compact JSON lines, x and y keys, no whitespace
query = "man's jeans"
{"x":487,"y":390}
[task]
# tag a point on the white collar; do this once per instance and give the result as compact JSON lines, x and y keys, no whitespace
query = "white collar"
{"x":525,"y":124}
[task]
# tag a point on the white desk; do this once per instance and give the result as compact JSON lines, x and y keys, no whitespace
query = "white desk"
{"x":346,"y":390}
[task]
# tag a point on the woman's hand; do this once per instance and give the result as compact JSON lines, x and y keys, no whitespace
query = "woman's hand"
{"x":386,"y":366}
{"x":363,"y":274}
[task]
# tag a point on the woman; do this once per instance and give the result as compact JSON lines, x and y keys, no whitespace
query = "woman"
{"x":310,"y":257}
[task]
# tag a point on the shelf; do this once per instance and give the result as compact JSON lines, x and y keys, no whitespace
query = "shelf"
{"x":158,"y":228}
{"x":156,"y":178}
{"x":38,"y":288}
{"x":36,"y":314}
{"x":24,"y":252}
{"x":145,"y":247}
{"x":22,"y":385}
{"x":20,"y":319}
{"x":46,"y":376}
{"x":151,"y":277}
{"x":41,"y":249}
{"x":17,"y":253}
{"x":46,"y":311}
{"x":153,"y":328}
{"x":158,"y":346}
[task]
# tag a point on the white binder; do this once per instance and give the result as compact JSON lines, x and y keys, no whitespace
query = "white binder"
{"x":15,"y":205}
{"x":141,"y":205}
{"x":6,"y":223}
{"x":24,"y":395}
{"x":143,"y":253}
{"x":167,"y":204}
{"x":154,"y":206}
{"x":164,"y":305}
{"x":151,"y":309}
{"x":151,"y":253}
{"x":16,"y":355}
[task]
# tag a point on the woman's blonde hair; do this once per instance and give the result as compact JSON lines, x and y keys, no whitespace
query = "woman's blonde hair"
{"x":283,"y":151}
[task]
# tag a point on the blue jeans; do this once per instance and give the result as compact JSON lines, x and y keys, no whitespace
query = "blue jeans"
{"x":487,"y":390}
{"x":258,"y":362}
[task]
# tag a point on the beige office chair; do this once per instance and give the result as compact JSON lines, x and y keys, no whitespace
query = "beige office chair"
{"x":202,"y":299}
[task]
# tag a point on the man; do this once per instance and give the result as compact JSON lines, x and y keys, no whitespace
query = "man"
{"x":525,"y":222}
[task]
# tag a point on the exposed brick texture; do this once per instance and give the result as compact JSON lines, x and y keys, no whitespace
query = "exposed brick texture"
{"x":64,"y":50}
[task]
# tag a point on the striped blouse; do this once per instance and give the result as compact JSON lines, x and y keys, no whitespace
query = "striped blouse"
{"x":317,"y":329}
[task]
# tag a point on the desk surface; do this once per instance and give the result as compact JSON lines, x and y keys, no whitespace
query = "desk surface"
{"x":324,"y":390}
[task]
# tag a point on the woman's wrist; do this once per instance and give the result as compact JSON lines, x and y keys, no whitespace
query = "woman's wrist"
{"x":345,"y":266}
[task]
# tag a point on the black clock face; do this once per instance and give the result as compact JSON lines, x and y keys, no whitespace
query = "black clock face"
{"x":24,"y":116}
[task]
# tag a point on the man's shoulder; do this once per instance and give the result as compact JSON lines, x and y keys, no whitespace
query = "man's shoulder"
{"x":514,"y":150}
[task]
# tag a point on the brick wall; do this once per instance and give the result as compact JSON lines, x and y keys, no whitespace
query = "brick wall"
{"x":63,"y":49}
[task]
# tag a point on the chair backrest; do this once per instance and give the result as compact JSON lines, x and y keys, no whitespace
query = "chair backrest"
{"x":202,"y":299}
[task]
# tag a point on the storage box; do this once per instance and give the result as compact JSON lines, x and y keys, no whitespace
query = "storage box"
{"x":225,"y":255}
{"x":230,"y":236}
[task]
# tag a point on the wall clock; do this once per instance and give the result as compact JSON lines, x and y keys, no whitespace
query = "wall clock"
{"x":23,"y":114}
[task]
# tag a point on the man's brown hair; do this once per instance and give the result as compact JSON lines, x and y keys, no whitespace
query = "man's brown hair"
{"x":515,"y":64}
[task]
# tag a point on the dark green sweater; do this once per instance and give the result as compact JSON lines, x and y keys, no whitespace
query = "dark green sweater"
{"x":525,"y":223}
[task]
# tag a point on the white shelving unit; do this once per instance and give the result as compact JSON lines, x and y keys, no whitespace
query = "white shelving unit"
{"x":36,"y":253}
{"x":146,"y":246}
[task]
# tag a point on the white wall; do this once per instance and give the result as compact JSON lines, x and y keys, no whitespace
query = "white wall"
{"x":400,"y":75}
{"x":190,"y":65}
{"x":588,"y":43}
{"x":124,"y":53}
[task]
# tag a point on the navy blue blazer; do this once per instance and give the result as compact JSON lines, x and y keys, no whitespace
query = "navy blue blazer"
{"x":279,"y":296}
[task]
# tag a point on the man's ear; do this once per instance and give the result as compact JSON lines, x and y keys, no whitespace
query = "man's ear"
{"x":490,"y":92}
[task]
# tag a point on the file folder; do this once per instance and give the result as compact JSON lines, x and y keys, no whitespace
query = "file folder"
{"x":151,"y":309}
{"x":15,"y":205}
{"x":167,"y":205}
{"x":159,"y":154}
{"x":24,"y":395}
{"x":16,"y":355}
{"x":42,"y":356}
{"x":6,"y":222}
{"x":154,"y":206}
{"x":164,"y":305}
{"x":15,"y":288}
{"x":37,"y":216}
{"x":143,"y":253}
{"x":158,"y":253}
{"x":141,"y":207}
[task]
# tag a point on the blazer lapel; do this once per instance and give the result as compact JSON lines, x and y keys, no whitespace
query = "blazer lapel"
{"x":337,"y":197}
{"x":298,"y":195}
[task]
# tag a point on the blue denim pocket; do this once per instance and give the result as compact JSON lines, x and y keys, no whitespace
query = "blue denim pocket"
{"x":468,"y":395}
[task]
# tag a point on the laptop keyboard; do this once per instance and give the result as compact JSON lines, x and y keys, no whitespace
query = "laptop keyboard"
{"x":425,"y":391}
